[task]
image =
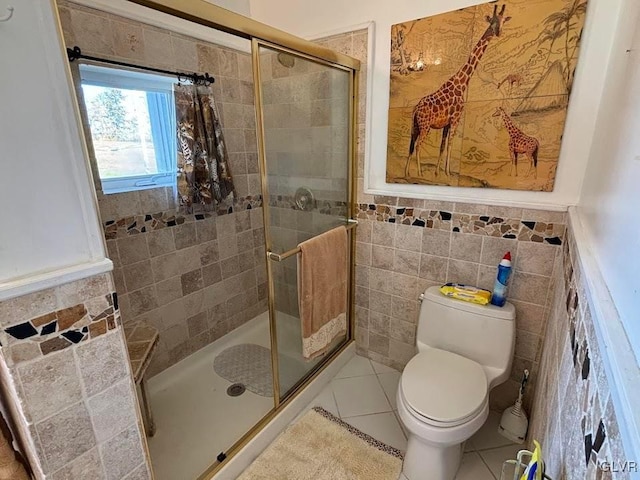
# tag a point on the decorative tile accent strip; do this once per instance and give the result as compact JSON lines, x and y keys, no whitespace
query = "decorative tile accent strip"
{"x":327,"y":207}
{"x":133,"y":225}
{"x":515,"y":228}
{"x":593,"y":415}
{"x":60,"y":329}
{"x":573,"y":415}
{"x":552,"y":233}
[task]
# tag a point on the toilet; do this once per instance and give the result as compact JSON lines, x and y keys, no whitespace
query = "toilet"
{"x":464,"y":350}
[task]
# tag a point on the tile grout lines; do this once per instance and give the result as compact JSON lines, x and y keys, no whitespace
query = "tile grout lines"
{"x":389,"y":401}
{"x":486,"y":464}
{"x":373,"y":369}
{"x":481,"y":451}
{"x":394,"y":411}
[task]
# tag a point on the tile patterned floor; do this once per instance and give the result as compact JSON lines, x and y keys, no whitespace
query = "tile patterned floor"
{"x":363,"y":394}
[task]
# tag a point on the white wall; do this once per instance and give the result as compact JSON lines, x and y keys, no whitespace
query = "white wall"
{"x":49,"y":227}
{"x":243,"y":7}
{"x":610,"y":202}
{"x":308,"y":19}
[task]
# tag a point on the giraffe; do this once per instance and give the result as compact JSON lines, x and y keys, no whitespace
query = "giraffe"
{"x":519,"y":142}
{"x":511,"y":79}
{"x":442,"y":109}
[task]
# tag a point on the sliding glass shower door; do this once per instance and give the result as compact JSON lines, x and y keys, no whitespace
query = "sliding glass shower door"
{"x":306,"y":168}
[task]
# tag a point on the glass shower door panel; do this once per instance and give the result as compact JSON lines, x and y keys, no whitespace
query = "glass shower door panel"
{"x":306,"y":133}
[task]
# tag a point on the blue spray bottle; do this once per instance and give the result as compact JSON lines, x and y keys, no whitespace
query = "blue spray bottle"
{"x":499,"y":296}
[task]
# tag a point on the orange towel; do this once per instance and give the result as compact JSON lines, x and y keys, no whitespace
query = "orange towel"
{"x":322,"y":290}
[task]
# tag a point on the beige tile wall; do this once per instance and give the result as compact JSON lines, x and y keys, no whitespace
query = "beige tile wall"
{"x":574,"y":417}
{"x":194,"y":282}
{"x":201,"y":279}
{"x":355,"y":44}
{"x":306,"y":140}
{"x":397,"y":262}
{"x":75,"y":408}
{"x":306,"y":114}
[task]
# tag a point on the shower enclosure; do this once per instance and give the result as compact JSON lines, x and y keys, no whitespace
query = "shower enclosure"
{"x":305,"y":130}
{"x":218,"y":289}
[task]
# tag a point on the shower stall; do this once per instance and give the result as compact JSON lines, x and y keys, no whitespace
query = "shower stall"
{"x":305,"y":166}
{"x":209,"y":299}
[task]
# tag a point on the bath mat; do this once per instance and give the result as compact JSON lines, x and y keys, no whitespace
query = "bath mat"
{"x":250,"y":364}
{"x":320,"y":446}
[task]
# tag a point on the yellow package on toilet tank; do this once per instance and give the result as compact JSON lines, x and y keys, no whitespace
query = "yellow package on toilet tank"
{"x":466,"y":293}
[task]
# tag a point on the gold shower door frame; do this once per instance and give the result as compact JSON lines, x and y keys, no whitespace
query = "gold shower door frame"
{"x":270,"y":256}
{"x":207,"y":14}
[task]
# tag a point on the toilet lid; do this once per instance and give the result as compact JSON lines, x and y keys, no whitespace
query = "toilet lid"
{"x":443,"y":386}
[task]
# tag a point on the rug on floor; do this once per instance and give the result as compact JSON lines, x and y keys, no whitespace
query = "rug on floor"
{"x":250,"y":364}
{"x":320,"y":446}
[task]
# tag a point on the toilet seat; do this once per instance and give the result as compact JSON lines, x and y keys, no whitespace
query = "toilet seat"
{"x":443,"y":388}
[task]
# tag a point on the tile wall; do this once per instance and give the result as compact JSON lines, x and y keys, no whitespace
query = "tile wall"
{"x":306,"y":140}
{"x":408,"y":248}
{"x":406,"y":244}
{"x":574,"y":417}
{"x":64,"y":361}
{"x":194,"y":277}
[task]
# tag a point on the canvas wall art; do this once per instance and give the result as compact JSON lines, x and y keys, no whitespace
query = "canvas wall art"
{"x":479,"y":96}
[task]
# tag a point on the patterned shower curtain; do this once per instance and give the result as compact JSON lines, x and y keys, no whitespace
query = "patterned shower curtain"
{"x":204,"y":178}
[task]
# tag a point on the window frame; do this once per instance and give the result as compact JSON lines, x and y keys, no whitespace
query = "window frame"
{"x":95,"y":75}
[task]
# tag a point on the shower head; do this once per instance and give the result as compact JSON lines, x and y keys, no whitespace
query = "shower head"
{"x":286,"y":60}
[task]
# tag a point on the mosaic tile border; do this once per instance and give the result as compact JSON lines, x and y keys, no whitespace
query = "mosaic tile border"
{"x":593,"y":416}
{"x":133,"y":225}
{"x":577,"y":421}
{"x":519,"y":229}
{"x":327,"y":207}
{"x":60,"y":329}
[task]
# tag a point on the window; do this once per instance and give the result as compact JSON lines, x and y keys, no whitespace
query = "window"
{"x":133,"y":123}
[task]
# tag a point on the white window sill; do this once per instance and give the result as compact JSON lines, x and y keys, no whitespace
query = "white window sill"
{"x":137,"y":182}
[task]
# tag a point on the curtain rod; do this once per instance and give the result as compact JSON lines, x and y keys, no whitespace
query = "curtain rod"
{"x":75,"y":54}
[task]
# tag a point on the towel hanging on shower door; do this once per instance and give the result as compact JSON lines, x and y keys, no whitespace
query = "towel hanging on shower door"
{"x":322,"y":290}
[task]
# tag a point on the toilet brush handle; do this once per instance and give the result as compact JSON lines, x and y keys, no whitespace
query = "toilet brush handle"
{"x":525,"y":379}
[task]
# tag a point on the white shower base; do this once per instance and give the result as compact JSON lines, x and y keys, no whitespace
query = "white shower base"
{"x":195,"y":418}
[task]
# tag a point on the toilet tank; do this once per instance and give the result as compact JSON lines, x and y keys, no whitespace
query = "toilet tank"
{"x":482,"y":333}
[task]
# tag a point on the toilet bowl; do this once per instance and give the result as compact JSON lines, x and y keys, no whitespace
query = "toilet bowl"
{"x":440,"y":421}
{"x":464,"y":350}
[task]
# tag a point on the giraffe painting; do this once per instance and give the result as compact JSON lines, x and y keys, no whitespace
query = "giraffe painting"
{"x":442,"y":109}
{"x":450,"y":72}
{"x":519,"y":143}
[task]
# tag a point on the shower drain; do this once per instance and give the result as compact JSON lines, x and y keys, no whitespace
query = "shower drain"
{"x":236,"y":390}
